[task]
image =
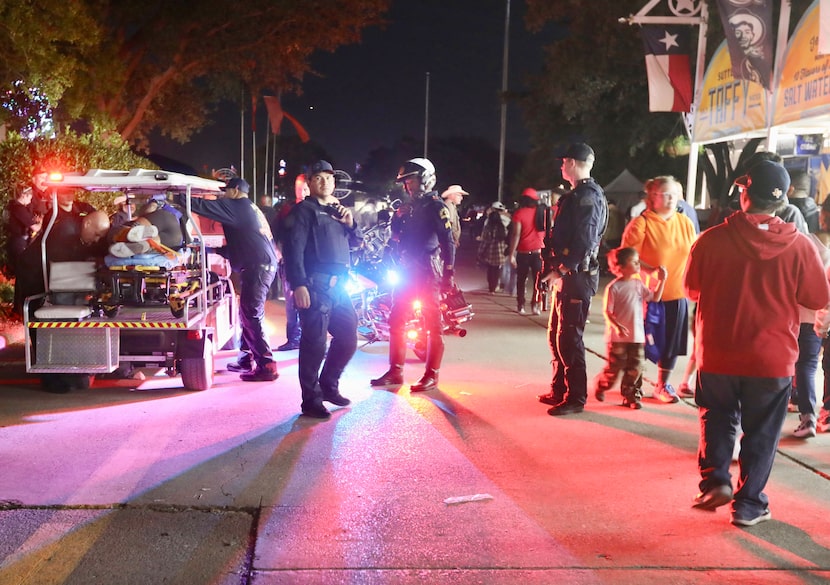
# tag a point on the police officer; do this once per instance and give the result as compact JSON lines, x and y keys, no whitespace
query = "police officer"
{"x":319,"y":231}
{"x":427,"y":254}
{"x":250,"y":249}
{"x":580,"y":220}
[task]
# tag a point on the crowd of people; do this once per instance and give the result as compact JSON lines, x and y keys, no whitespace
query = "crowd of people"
{"x":757,"y":275}
{"x":758,"y":280}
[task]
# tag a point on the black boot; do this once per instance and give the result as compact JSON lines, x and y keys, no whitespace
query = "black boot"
{"x":435,"y":353}
{"x":429,"y":381}
{"x":397,"y":354}
{"x":393,"y":377}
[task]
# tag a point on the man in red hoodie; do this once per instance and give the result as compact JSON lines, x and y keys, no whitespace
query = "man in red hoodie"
{"x":748,"y":277}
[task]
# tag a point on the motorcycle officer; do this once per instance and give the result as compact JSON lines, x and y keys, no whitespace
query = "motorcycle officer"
{"x":423,"y":231}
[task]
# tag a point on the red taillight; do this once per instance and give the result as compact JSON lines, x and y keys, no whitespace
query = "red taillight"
{"x":194,"y":334}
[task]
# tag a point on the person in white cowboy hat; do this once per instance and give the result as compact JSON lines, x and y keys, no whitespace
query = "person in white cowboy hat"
{"x":452,"y":199}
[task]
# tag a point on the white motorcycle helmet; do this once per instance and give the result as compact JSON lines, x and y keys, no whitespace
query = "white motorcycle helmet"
{"x":421,"y":167}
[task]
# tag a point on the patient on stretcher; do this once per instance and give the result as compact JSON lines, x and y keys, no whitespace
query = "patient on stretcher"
{"x":158,"y":230}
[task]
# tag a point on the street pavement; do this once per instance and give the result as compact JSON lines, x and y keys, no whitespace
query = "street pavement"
{"x":142,"y":482}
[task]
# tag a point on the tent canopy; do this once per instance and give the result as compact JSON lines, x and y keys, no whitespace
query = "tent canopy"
{"x":625,"y":190}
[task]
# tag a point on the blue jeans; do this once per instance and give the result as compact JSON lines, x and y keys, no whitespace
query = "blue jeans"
{"x":760,"y":404}
{"x":825,"y":367}
{"x":508,"y":277}
{"x":809,"y":346}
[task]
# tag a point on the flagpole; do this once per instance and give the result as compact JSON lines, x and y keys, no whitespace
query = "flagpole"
{"x":426,"y":117}
{"x":700,"y":70}
{"x":503,"y":135}
{"x":267,"y":145}
{"x":783,"y":29}
{"x":253,"y":145}
{"x":242,"y":134}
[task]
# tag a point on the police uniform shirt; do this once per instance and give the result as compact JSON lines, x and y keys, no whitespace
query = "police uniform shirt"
{"x":248,"y":236}
{"x":315,"y":242}
{"x":580,"y":219}
{"x":425,"y":229}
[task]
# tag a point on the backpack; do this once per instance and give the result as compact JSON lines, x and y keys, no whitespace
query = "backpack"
{"x":542,"y":218}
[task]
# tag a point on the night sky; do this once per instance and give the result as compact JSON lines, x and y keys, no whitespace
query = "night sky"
{"x":370,"y":95}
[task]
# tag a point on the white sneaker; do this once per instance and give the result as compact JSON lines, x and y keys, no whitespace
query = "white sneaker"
{"x":140,"y":232}
{"x":522,"y":311}
{"x":127,"y":249}
{"x":807,"y":427}
{"x":665,"y":393}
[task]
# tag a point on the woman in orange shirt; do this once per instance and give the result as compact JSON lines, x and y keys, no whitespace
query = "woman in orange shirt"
{"x":663,"y":237}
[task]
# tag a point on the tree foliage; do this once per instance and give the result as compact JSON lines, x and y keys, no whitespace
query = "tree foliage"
{"x":163,"y":64}
{"x":45,"y":44}
{"x":21,"y":159}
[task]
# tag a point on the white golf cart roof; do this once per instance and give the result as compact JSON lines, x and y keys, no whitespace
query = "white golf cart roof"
{"x":136,"y":181}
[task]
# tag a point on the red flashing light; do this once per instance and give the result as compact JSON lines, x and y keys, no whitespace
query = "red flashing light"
{"x":55,"y":176}
{"x":194,"y":334}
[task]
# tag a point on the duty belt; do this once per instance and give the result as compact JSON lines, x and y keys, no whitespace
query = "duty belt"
{"x":330,"y":280}
{"x":263,"y":267}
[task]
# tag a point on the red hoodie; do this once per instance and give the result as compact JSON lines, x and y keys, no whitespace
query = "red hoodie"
{"x":748,"y":276}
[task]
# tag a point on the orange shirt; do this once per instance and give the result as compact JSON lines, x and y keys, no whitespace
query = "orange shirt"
{"x":662,"y":242}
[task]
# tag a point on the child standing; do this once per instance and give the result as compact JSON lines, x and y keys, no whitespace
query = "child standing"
{"x":624,"y":332}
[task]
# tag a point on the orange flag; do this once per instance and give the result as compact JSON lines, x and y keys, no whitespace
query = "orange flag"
{"x":275,"y":113}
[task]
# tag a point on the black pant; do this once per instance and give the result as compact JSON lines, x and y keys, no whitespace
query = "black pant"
{"x":527,"y":264}
{"x":255,"y":283}
{"x":331,"y":311}
{"x":566,"y":326}
{"x":421,"y":285}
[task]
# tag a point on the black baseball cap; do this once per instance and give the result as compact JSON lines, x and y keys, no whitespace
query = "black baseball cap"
{"x":240,"y":184}
{"x":579,"y":151}
{"x":321,"y":166}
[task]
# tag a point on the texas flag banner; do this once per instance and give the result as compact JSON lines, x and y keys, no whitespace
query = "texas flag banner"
{"x":749,"y":36}
{"x":667,"y":64}
{"x":824,"y":28}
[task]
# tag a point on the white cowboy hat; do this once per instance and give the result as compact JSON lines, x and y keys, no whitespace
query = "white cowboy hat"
{"x":453,"y":189}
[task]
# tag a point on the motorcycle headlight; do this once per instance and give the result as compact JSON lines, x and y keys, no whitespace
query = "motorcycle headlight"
{"x":392,"y":277}
{"x":353,"y":287}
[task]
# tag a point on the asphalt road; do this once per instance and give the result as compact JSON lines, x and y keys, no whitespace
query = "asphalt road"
{"x":141,"y":482}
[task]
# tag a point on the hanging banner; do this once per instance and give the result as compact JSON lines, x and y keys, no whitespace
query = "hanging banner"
{"x":728,"y":106}
{"x":824,"y":29}
{"x":747,"y":25}
{"x":804,"y":87}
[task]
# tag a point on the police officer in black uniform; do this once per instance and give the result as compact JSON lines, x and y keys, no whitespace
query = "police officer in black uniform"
{"x":318,"y":233}
{"x":250,"y":249}
{"x":579,"y":222}
{"x":427,"y":254}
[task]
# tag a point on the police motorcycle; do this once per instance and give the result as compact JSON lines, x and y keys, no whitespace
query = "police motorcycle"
{"x":372,"y":283}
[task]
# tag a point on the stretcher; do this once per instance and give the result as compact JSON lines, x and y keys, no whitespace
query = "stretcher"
{"x":172,"y":310}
